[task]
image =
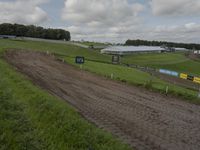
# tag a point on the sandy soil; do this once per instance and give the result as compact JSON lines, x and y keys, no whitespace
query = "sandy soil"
{"x":143,"y":119}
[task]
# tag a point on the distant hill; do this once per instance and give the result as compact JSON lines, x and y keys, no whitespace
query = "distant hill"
{"x":162,"y":43}
{"x":34,"y":32}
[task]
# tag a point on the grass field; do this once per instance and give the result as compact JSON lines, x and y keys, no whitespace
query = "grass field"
{"x":173,"y":61}
{"x":94,"y":43}
{"x":30,"y":118}
{"x":120,"y":73}
{"x":63,"y":49}
{"x":138,"y":78}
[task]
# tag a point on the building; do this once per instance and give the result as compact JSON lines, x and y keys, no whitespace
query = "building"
{"x":181,"y":49}
{"x":125,"y":50}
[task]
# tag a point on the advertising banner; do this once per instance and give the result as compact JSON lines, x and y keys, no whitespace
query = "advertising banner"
{"x":168,"y":72}
{"x":183,"y":76}
{"x":79,"y":60}
{"x":197,"y":80}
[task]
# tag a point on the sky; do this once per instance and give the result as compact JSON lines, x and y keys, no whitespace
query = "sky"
{"x":110,"y":20}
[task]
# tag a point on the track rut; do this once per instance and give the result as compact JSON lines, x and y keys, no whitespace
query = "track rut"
{"x":145,"y":120}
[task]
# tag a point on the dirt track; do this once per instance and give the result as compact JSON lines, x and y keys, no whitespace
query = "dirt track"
{"x":143,"y":119}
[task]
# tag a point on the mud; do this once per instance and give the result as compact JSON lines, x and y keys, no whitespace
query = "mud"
{"x":145,"y":120}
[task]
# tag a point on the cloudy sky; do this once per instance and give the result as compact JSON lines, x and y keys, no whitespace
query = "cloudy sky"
{"x":110,"y":20}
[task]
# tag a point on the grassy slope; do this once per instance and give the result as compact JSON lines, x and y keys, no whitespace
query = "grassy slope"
{"x":190,"y":67}
{"x":138,"y":78}
{"x":30,"y":118}
{"x":62,"y":49}
{"x":177,"y":62}
{"x":155,"y":58}
{"x":173,"y":61}
{"x":94,"y":44}
{"x":122,"y":73}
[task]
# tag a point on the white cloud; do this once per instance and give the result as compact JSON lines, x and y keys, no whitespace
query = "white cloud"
{"x":102,"y":11}
{"x":176,"y":33}
{"x":175,"y":7}
{"x":188,"y":33}
{"x":22,"y":11}
{"x":101,"y":18}
{"x":119,"y":20}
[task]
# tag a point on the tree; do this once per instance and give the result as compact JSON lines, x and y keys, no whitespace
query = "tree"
{"x":162,"y":43}
{"x":34,"y":31}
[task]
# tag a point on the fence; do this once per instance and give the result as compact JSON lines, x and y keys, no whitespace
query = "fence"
{"x":195,"y":84}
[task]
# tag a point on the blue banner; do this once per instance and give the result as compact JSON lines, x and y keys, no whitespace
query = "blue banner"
{"x":168,"y":72}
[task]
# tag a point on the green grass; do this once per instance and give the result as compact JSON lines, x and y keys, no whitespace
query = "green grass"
{"x":173,"y":61}
{"x":121,"y":73}
{"x":32,"y":119}
{"x":154,"y":58}
{"x":138,"y":78}
{"x":62,"y":49}
{"x":189,"y":67}
{"x":94,"y":43}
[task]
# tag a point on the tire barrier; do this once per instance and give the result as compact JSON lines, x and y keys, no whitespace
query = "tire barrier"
{"x":197,"y":80}
{"x":190,"y":77}
{"x":167,"y":72}
{"x":183,"y":76}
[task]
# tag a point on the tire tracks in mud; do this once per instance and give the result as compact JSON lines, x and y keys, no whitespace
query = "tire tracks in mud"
{"x":144,"y":119}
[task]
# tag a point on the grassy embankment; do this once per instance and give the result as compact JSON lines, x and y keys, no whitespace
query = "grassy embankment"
{"x":138,"y":78}
{"x":124,"y":74}
{"x":32,"y":119}
{"x":172,"y":61}
{"x":94,"y":43}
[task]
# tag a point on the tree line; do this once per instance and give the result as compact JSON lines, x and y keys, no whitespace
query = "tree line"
{"x":34,"y":32}
{"x":162,"y":43}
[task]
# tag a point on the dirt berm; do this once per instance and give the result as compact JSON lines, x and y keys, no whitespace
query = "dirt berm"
{"x":145,"y":120}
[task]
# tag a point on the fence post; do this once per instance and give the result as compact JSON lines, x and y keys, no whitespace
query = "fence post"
{"x":151,"y":79}
{"x":112,"y":76}
{"x":81,"y":67}
{"x":199,"y":93}
{"x":167,"y":89}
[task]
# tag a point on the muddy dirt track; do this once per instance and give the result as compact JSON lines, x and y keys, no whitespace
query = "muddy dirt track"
{"x":144,"y":119}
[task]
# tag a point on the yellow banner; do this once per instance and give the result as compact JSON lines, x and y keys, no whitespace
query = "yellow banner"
{"x":183,"y":76}
{"x":196,"y":79}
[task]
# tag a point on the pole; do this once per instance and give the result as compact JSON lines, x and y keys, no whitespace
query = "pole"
{"x":81,"y":66}
{"x":167,"y":89}
{"x":112,"y":76}
{"x":199,"y":93}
